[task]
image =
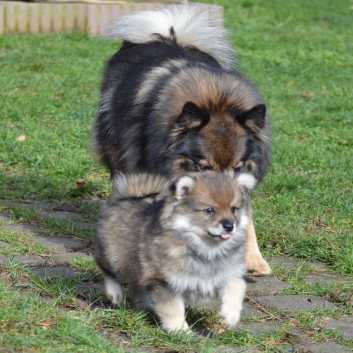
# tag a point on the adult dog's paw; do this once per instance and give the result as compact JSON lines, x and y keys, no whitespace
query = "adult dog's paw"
{"x":258,"y":265}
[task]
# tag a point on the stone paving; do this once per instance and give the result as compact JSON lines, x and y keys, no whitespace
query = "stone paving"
{"x":263,"y":296}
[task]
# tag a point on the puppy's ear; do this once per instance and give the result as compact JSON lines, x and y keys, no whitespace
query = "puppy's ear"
{"x":192,"y":117}
{"x":254,"y":118}
{"x":182,"y":186}
{"x":247,"y":180}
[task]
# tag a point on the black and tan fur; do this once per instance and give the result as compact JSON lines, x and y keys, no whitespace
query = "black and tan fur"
{"x":178,"y":251}
{"x":173,"y":101}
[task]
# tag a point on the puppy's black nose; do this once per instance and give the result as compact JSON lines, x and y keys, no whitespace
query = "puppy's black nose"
{"x":228,"y":226}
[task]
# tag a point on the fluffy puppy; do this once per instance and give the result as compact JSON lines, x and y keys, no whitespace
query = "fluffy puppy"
{"x":178,"y":251}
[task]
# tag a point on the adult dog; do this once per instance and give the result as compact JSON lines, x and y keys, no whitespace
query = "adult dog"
{"x":173,"y":101}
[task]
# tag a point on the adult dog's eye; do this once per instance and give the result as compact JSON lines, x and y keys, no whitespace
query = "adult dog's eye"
{"x":238,"y":169}
{"x":203,"y":168}
{"x":233,"y":209}
{"x":210,"y":211}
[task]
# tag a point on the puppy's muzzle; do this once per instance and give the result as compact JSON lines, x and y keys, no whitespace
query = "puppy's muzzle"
{"x":228,"y":226}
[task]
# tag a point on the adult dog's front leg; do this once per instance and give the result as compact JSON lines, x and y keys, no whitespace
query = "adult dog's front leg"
{"x":254,"y":260}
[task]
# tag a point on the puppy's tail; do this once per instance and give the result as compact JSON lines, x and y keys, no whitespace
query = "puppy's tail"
{"x":187,"y":24}
{"x":138,"y":186}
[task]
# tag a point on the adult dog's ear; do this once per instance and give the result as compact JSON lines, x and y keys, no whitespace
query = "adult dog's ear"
{"x":254,"y":118}
{"x":182,"y":186}
{"x":191,"y":118}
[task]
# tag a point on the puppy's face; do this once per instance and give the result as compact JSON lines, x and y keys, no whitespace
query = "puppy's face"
{"x":212,"y":205}
{"x":215,"y":208}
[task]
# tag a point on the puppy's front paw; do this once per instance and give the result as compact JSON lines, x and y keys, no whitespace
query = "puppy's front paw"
{"x":258,"y":265}
{"x":175,"y":326}
{"x":230,"y":319}
{"x":232,"y":301}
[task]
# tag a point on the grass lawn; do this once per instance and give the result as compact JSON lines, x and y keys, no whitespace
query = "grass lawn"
{"x":299,"y":53}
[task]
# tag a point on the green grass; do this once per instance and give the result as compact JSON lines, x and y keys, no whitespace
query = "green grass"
{"x":20,"y":244}
{"x":50,"y":91}
{"x":299,"y":53}
{"x":25,"y":321}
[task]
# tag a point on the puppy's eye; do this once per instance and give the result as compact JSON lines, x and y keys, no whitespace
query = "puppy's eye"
{"x":203,"y":168}
{"x":238,"y":169}
{"x":210,"y":211}
{"x":233,"y":209}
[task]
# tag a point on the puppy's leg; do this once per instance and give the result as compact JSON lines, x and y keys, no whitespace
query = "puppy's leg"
{"x":170,"y":309}
{"x":232,"y":298}
{"x":113,"y":289}
{"x":254,"y":260}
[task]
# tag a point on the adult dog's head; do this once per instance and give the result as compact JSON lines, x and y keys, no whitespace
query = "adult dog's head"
{"x":222,"y":124}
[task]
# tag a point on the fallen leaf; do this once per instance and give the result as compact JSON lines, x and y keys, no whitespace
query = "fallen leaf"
{"x":47,"y":323}
{"x":307,"y":95}
{"x":81,"y":304}
{"x":81,"y":183}
{"x":289,"y":84}
{"x":20,"y":138}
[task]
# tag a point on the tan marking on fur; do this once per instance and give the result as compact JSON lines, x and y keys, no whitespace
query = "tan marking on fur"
{"x":250,"y":166}
{"x":254,"y":259}
{"x":153,"y":76}
{"x":178,"y":169}
{"x":238,"y":165}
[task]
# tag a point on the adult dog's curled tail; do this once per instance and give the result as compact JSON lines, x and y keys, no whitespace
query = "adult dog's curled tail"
{"x":138,"y":186}
{"x":186,"y":24}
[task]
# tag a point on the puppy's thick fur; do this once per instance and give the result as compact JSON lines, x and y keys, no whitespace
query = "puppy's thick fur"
{"x":183,"y":249}
{"x":173,"y":102}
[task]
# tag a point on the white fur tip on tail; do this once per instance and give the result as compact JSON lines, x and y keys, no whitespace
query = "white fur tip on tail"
{"x":191,"y":25}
